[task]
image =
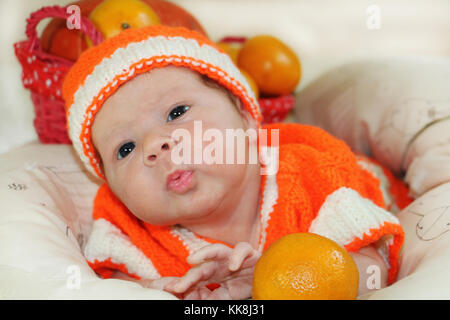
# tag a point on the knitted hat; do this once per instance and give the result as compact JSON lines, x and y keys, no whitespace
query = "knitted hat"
{"x":100,"y":71}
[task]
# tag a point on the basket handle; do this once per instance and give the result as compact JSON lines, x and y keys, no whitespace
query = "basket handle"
{"x":57,"y":12}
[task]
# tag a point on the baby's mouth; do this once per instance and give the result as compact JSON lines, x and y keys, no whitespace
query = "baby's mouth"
{"x":180,"y":181}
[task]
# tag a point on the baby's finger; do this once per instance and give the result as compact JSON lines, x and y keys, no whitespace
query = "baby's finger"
{"x":251,"y":260}
{"x":194,"y":276}
{"x":200,"y":293}
{"x":161,"y":283}
{"x":214,"y":251}
{"x":241,"y":252}
{"x":219,"y":294}
{"x":169,"y":285}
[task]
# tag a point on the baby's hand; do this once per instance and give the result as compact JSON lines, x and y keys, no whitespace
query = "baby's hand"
{"x":158,"y":284}
{"x":217,"y":263}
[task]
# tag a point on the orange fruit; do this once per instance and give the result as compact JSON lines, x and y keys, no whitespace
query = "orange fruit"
{"x":67,"y":43}
{"x":305,"y":266}
{"x":272,"y":64}
{"x":251,"y":82}
{"x":110,"y":17}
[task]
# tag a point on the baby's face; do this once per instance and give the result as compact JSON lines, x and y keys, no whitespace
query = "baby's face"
{"x":133,"y":135}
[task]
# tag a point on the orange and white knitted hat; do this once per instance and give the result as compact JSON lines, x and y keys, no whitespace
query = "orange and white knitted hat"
{"x":100,"y":71}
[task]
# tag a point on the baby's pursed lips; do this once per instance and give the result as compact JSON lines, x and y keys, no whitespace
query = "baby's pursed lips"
{"x":179,"y":181}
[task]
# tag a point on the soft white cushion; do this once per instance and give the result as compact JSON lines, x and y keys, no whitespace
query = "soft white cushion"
{"x":45,"y":218}
{"x":398,"y":111}
{"x":425,"y":257}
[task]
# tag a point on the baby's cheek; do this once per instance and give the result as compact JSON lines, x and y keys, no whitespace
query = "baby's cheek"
{"x":144,"y":204}
{"x":134,"y":189}
{"x":225,"y":178}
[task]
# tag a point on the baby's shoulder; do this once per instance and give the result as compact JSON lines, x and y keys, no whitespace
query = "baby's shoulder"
{"x":304,"y":147}
{"x":314,"y":161}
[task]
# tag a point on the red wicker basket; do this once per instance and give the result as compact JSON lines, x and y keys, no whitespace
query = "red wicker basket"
{"x":276,"y":109}
{"x":43,"y":75}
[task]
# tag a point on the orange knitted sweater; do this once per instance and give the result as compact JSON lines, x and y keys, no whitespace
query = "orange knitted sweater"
{"x":320,"y":187}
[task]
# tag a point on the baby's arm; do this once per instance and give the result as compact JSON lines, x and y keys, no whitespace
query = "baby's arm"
{"x":373,"y":273}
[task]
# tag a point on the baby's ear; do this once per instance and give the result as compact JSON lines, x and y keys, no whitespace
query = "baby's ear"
{"x":249,"y":121}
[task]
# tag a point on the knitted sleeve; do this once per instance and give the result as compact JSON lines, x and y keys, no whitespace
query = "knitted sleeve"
{"x":325,"y":186}
{"x":355,"y":222}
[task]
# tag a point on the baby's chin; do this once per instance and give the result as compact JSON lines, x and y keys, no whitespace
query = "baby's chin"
{"x":196,"y":206}
{"x":186,"y":215}
{"x":200,"y":211}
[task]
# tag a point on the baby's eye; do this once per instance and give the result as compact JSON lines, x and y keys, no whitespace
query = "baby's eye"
{"x":125,"y":149}
{"x":176,"y":112}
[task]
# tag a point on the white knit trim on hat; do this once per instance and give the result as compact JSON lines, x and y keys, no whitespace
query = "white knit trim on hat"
{"x":119,"y":63}
{"x":345,"y":216}
{"x":107,"y":241}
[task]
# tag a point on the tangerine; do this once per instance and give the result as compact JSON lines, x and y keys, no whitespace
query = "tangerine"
{"x":110,"y":17}
{"x":274,"y":66}
{"x":305,"y":266}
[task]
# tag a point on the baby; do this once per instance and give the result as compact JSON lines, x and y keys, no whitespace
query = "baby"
{"x":196,"y":228}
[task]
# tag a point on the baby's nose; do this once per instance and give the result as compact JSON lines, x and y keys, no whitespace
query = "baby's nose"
{"x":157,"y":149}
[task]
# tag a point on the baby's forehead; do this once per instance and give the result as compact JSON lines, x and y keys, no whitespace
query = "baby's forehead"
{"x":172,"y":73}
{"x":160,"y":82}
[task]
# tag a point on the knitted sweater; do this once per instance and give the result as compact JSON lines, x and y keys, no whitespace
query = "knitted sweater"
{"x":320,"y":187}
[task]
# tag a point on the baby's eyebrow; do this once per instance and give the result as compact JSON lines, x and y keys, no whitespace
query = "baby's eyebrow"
{"x":110,"y":136}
